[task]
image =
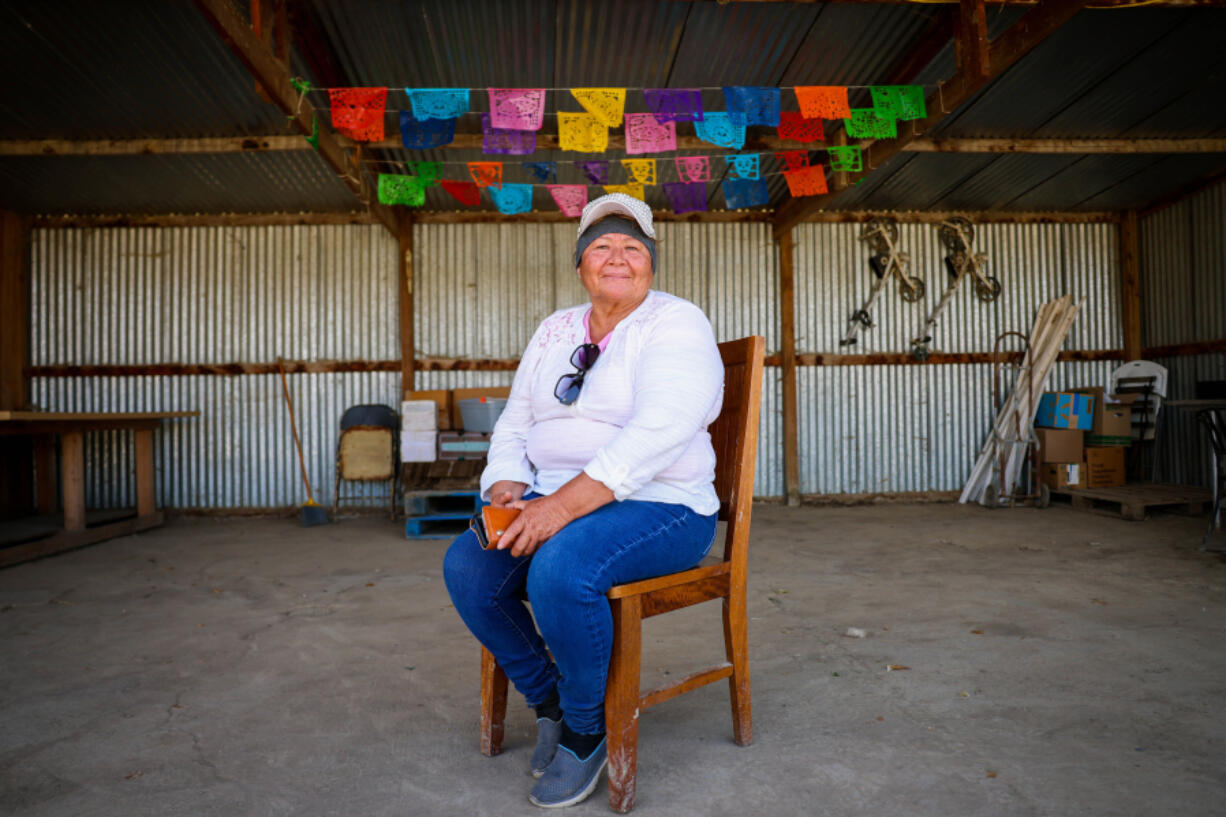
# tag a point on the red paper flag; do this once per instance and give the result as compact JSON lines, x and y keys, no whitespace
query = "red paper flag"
{"x":793,"y":159}
{"x":792,"y":125}
{"x":807,"y":181}
{"x":823,"y":101}
{"x":358,"y":112}
{"x":486,"y":174}
{"x":463,"y":192}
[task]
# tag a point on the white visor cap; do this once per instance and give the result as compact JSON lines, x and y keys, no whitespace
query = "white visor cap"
{"x":617,"y":204}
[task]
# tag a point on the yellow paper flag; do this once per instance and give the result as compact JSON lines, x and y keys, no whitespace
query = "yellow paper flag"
{"x":606,"y":104}
{"x":641,"y":170}
{"x":582,"y":132}
{"x":634,"y":189}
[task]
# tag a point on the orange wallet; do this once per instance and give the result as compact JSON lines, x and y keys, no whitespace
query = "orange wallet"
{"x":496,"y":521}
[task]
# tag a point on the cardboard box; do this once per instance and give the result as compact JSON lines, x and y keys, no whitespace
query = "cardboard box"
{"x":1112,"y":415}
{"x":1060,"y":444}
{"x":457,"y":421}
{"x":470,"y":445}
{"x":1105,"y":441}
{"x":418,"y":446}
{"x":1104,"y":467}
{"x":418,"y":415}
{"x":441,"y":398}
{"x":1061,"y":475}
{"x":1065,"y":410}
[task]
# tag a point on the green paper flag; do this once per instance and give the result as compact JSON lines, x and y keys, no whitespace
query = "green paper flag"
{"x":866,"y":124}
{"x":407,"y":190}
{"x":848,"y":159}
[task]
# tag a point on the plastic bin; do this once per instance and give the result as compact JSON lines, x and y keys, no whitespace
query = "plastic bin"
{"x":480,"y":413}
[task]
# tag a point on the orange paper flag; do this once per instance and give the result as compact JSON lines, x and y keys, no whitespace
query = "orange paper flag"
{"x":823,"y":101}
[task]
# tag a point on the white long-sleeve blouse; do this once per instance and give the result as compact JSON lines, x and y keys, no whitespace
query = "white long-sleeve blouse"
{"x":640,"y":423}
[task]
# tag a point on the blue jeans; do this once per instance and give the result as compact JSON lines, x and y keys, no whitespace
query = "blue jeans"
{"x":567,"y":579}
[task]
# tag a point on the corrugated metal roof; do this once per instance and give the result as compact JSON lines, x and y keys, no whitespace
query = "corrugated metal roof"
{"x":132,"y":69}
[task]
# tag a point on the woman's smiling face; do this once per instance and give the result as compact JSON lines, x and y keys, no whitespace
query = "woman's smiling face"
{"x":616,"y":268}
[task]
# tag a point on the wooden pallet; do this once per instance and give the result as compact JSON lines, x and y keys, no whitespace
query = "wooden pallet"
{"x":439,"y":514}
{"x":1133,"y":501}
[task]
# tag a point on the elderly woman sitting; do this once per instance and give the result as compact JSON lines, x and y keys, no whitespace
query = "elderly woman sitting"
{"x":603,"y":446}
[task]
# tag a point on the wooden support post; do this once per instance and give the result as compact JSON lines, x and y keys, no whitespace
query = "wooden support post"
{"x":1130,"y":285}
{"x":971,"y":42}
{"x":44,"y":474}
{"x":787,"y":312}
{"x":72,"y":478}
{"x":408,"y":348}
{"x":145,"y":482}
{"x":16,"y":454}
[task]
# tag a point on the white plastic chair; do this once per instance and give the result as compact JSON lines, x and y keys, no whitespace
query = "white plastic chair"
{"x":1146,"y":378}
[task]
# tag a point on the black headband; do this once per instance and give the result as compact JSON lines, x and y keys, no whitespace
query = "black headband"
{"x":615,"y":224}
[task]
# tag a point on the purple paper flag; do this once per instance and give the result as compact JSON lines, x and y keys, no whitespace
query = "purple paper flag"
{"x":674,"y":104}
{"x":517,"y":108}
{"x":502,"y":140}
{"x":686,"y":197}
{"x":596,"y":170}
{"x":570,"y":198}
{"x":646,"y":134}
{"x":693,"y":168}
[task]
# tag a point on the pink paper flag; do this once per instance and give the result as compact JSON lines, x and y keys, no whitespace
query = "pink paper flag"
{"x":644,"y":134}
{"x":693,"y":168}
{"x":517,"y":108}
{"x":570,"y":198}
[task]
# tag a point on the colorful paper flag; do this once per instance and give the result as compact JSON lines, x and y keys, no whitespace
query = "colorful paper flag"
{"x":742,"y":193}
{"x":640,"y":170}
{"x":866,"y":124}
{"x":674,"y":104}
{"x":606,"y":104}
{"x":901,"y":102}
{"x":806,"y":181}
{"x":486,"y":174}
{"x":542,"y":171}
{"x":793,"y":159}
{"x":745,"y":165}
{"x":912,"y":103}
{"x":633,"y":189}
{"x":752,"y":105}
{"x":461,"y":191}
{"x":582,"y":133}
{"x":423,"y":134}
{"x":718,"y":129}
{"x":686,"y":197}
{"x":647,"y":134}
{"x":512,"y":198}
{"x":358,"y":112}
{"x":438,"y":103}
{"x":517,"y":108}
{"x":570,"y":198}
{"x":595,"y":170}
{"x":795,"y":127}
{"x":428,"y":172}
{"x":504,"y":141}
{"x":407,"y":190}
{"x":822,"y":101}
{"x":846,"y":159}
{"x":693,"y":168}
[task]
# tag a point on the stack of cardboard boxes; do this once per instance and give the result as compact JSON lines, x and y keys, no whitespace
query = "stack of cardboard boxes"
{"x":1082,"y":435}
{"x":446,"y":439}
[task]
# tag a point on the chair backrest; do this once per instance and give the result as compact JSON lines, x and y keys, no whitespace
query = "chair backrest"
{"x":372,"y":414}
{"x":734,"y":434}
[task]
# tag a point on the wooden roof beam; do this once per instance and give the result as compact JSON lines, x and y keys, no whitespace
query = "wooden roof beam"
{"x":1021,"y":38}
{"x":275,"y":78}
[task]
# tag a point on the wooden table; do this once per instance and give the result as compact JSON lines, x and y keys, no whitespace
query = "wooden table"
{"x":71,"y":428}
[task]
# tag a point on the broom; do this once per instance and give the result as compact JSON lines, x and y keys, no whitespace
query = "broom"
{"x":312,"y":513}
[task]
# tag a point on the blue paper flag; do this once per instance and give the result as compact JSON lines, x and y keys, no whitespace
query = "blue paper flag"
{"x":422,"y":134}
{"x":543,"y":171}
{"x":438,"y":103}
{"x":596,"y":170}
{"x":718,"y":129}
{"x":753,"y":106}
{"x":745,"y":165}
{"x":741,"y":193}
{"x":512,"y":198}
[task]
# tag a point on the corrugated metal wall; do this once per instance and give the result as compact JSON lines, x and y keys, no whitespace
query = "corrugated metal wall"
{"x":1183,"y":284}
{"x":212,"y":294}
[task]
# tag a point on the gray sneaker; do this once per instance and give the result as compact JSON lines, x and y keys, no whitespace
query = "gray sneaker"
{"x":569,"y":780}
{"x":548,"y":733}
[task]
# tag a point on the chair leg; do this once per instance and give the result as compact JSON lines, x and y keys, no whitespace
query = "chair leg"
{"x":493,"y":704}
{"x":736,"y":645}
{"x":621,"y":705}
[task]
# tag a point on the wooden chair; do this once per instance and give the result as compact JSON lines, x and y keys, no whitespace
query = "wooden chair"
{"x":735,"y":437}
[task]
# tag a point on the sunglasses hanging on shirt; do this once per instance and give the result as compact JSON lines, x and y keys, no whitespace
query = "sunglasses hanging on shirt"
{"x":583,"y":359}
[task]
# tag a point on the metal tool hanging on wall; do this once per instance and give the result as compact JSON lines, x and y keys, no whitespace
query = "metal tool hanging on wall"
{"x":886,"y":262}
{"x":957,"y":234}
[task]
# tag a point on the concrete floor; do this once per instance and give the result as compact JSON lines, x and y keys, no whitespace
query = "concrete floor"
{"x":1059,"y":663}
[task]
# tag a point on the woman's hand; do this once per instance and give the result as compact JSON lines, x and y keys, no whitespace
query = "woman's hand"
{"x":505,"y":491}
{"x":538,"y":520}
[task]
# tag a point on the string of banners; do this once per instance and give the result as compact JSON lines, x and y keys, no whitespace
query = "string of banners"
{"x":516,"y":115}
